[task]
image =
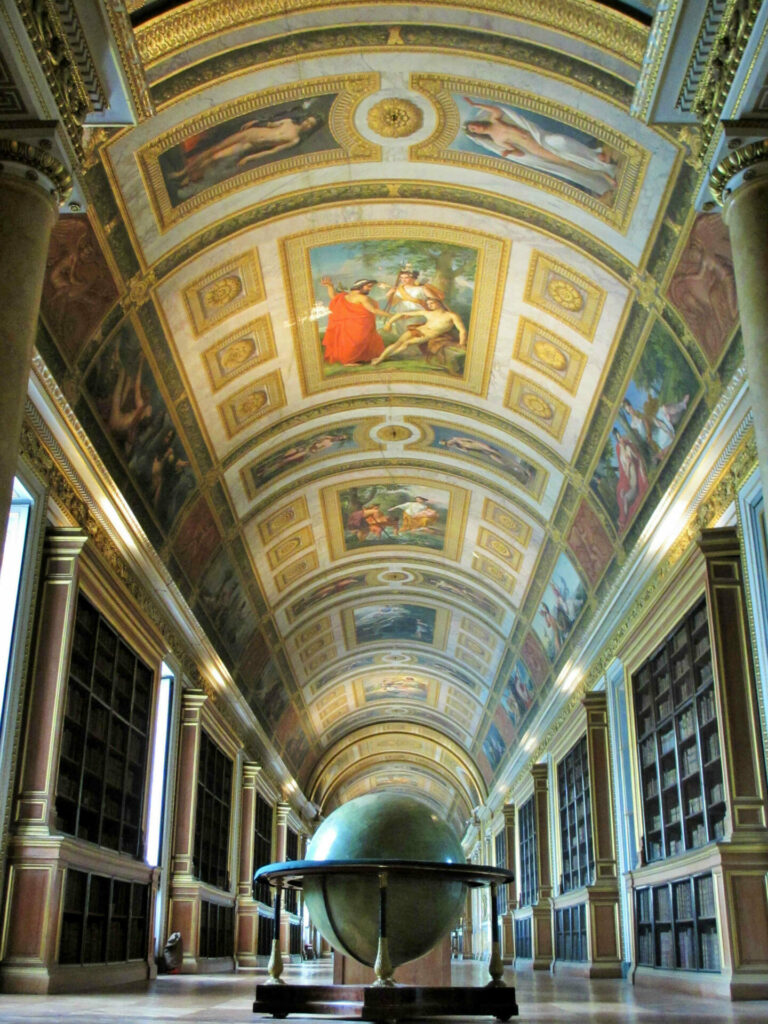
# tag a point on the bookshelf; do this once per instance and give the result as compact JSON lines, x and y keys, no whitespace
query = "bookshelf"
{"x":524,"y":938}
{"x":265,"y":934}
{"x":681,"y":773}
{"x":217,"y":929}
{"x":500,"y":846}
{"x":677,"y":925}
{"x":103,"y":757}
{"x":571,"y":933}
{"x":104,"y":920}
{"x":212,"y":820}
{"x":291,"y":896}
{"x":527,"y":838}
{"x":578,"y":864}
{"x":262,"y":847}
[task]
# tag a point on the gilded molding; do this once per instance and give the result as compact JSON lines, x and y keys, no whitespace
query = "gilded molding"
{"x":130,"y":57}
{"x":59,"y":64}
{"x":395,"y":118}
{"x":734,"y":163}
{"x":39,"y":161}
{"x":169,"y":33}
{"x":723,"y":63}
{"x":652,"y":59}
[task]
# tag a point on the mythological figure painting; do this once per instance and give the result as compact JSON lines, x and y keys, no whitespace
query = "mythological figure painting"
{"x":392,"y":513}
{"x":519,"y":693}
{"x":497,"y":456}
{"x":258,"y":137}
{"x":298,"y":453}
{"x":395,"y":687}
{"x":390,"y":303}
{"x":540,"y":143}
{"x":137,"y":421}
{"x":654,"y":407}
{"x":559,"y":607}
{"x":494,"y":747}
{"x":394,"y":622}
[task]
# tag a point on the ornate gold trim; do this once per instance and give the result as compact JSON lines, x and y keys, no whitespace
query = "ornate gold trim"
{"x":201,"y":20}
{"x":734,"y":163}
{"x":39,"y":161}
{"x":395,"y":118}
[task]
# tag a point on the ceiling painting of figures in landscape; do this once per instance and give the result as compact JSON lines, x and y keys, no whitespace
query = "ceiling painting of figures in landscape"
{"x":393,"y":336}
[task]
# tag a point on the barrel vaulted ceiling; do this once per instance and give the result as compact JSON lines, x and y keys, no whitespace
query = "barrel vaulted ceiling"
{"x":396,"y":525}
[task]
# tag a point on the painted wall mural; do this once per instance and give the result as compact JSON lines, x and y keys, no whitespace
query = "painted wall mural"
{"x":590,"y":543}
{"x":299,"y":452}
{"x":494,"y":749}
{"x":136,"y":419}
{"x":78,"y":288}
{"x":394,"y":622}
{"x":560,"y":606}
{"x":656,"y":404}
{"x":703,"y":288}
{"x":401,"y":300}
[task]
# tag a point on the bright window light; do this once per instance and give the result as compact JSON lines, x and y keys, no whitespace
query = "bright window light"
{"x":159,"y":760}
{"x":10,"y":575}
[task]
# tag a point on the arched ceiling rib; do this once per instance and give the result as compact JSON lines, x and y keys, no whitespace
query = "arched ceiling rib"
{"x":411,"y":515}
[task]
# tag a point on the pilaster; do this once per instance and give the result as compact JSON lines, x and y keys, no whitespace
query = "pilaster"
{"x":247,"y":924}
{"x":507,"y":918}
{"x":541,"y":925}
{"x":282,"y":810}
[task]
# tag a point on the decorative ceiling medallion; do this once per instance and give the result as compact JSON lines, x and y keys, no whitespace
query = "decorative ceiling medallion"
{"x":395,"y":118}
{"x":290,"y":546}
{"x":487,"y":567}
{"x":245,"y":348}
{"x":223,"y":291}
{"x":565,"y":294}
{"x":502,"y":518}
{"x":537,"y":405}
{"x":490,"y":541}
{"x":296,"y":570}
{"x":549,"y":354}
{"x":251,"y":403}
{"x":392,"y":432}
{"x":397,"y":659}
{"x":395,"y":576}
{"x":281,"y":519}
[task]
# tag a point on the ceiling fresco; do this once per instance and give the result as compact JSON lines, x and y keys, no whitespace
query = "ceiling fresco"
{"x":392,"y":364}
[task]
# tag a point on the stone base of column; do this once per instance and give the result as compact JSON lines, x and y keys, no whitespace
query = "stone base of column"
{"x":247,"y":934}
{"x":604,"y":930}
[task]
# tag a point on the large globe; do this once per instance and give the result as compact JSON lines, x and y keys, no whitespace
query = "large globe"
{"x":420,"y":909}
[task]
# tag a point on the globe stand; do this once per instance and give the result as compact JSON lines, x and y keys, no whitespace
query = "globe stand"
{"x":384,"y":1000}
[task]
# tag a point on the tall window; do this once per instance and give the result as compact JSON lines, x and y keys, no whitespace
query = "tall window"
{"x":157,"y":783}
{"x":529,"y":882}
{"x":214,"y":798}
{"x":10,"y":576}
{"x":262,"y":847}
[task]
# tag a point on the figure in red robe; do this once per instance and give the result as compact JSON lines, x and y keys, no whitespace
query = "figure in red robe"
{"x":351,"y":336}
{"x":632,"y":484}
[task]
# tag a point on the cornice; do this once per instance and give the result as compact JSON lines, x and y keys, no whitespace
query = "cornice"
{"x":167,"y":34}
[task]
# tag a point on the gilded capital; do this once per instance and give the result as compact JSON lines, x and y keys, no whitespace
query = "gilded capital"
{"x":35,"y":164}
{"x":738,"y":167}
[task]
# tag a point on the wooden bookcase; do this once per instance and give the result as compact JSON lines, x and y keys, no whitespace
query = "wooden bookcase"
{"x":529,"y":882}
{"x":500,"y":847}
{"x":290,"y":896}
{"x":104,"y":920}
{"x":571,"y":933}
{"x":578,"y":867}
{"x":212,"y":820}
{"x":678,"y":747}
{"x":524,"y":937}
{"x":217,"y":929}
{"x":103,"y":759}
{"x":262,"y":847}
{"x":677,"y":925}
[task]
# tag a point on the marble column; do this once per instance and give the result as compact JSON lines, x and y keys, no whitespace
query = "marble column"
{"x":247,"y":926}
{"x":507,"y":918}
{"x":603,"y":891}
{"x":184,"y":914}
{"x":740,"y":183}
{"x":541,"y":925}
{"x":281,"y":842}
{"x":32,"y":184}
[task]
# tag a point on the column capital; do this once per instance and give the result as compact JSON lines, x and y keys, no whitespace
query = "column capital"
{"x":540,"y":774}
{"x":283,"y":810}
{"x":508,"y":811}
{"x":37,"y":165}
{"x":595,"y":704}
{"x":251,"y":771}
{"x":742,"y":165}
{"x":192,"y":702}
